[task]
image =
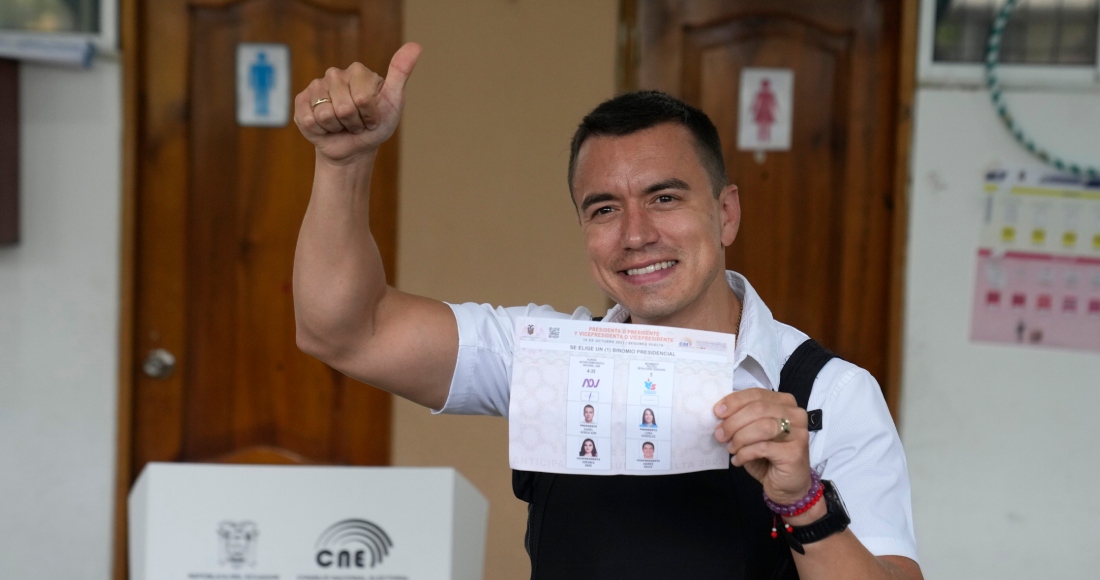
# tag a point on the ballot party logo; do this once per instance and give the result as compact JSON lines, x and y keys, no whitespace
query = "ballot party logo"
{"x":237,"y":543}
{"x":650,"y":385}
{"x":352,"y":543}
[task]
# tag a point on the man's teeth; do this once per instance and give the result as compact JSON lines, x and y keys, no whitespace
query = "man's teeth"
{"x":651,"y":268}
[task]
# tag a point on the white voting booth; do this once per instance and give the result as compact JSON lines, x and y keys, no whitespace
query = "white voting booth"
{"x":250,"y":522}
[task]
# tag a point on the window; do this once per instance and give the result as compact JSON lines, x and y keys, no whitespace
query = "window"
{"x":1038,"y":32}
{"x":1047,"y":43}
{"x":38,"y":23}
{"x":50,"y":16}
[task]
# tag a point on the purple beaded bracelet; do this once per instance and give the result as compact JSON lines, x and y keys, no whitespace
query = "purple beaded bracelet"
{"x":797,"y":507}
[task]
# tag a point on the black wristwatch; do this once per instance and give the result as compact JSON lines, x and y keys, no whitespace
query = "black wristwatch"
{"x":835,"y":520}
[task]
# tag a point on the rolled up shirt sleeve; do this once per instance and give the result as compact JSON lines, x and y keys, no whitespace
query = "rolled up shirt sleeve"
{"x":483,"y":371}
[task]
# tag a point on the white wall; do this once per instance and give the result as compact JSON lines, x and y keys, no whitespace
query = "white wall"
{"x":59,"y":329}
{"x":1000,"y":439}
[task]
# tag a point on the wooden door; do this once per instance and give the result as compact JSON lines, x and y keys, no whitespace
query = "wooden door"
{"x":816,"y":238}
{"x":217,"y":208}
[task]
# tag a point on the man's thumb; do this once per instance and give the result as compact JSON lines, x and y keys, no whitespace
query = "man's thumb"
{"x":401,"y":66}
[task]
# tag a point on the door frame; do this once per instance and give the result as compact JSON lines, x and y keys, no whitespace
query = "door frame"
{"x":627,"y":79}
{"x":9,"y":151}
{"x":128,"y":46}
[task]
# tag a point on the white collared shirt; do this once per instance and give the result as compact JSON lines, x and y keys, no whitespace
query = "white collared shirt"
{"x":858,"y":448}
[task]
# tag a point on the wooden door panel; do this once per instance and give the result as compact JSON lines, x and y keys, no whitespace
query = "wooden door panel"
{"x":776,"y":227}
{"x":816,"y":236}
{"x":218,"y":212}
{"x":246,"y":379}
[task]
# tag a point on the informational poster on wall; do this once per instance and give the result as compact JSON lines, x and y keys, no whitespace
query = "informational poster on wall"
{"x":1038,"y":264}
{"x":600,"y":398}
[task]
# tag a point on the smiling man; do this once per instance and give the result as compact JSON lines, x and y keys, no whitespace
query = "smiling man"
{"x":656,"y":212}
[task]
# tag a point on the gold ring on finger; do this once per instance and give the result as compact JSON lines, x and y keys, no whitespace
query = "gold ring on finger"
{"x":784,"y":427}
{"x":319,"y":101}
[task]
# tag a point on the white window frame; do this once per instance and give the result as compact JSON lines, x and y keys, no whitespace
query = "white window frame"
{"x":1010,"y":75}
{"x":105,"y":41}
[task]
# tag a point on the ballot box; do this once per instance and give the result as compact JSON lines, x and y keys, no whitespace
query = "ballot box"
{"x":250,"y":522}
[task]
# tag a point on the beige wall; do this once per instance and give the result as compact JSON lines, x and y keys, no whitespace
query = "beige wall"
{"x":485,"y":214}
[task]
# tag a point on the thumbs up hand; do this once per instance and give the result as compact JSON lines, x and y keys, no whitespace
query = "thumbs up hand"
{"x":349,"y":113}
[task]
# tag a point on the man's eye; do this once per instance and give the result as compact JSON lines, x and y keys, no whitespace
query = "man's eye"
{"x":602,"y":210}
{"x":664,"y":198}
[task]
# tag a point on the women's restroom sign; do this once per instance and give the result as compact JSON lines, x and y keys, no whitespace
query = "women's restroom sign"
{"x":765,"y":110}
{"x":263,"y":84}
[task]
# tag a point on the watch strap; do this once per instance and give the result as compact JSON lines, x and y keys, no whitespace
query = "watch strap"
{"x":835,"y":520}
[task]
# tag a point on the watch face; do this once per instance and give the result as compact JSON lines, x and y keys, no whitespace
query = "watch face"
{"x":836,"y":520}
{"x":833,"y":501}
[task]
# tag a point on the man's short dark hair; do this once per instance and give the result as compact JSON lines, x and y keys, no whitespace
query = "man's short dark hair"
{"x":589,"y":407}
{"x":648,"y":443}
{"x":635,"y":111}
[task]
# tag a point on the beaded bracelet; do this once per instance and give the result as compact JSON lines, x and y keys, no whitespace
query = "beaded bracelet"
{"x":817,"y":490}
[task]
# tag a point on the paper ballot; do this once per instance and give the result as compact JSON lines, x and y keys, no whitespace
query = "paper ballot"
{"x":610,"y":399}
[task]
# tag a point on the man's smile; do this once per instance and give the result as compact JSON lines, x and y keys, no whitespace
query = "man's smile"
{"x":651,"y":272}
{"x":638,"y":270}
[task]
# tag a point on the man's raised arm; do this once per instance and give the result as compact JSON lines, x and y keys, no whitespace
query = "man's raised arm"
{"x":345,"y":313}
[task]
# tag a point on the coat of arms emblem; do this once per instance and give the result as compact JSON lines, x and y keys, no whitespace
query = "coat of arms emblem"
{"x":237,"y":543}
{"x":531,"y":329}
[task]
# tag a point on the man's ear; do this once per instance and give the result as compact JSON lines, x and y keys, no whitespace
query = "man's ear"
{"x":729,"y":212}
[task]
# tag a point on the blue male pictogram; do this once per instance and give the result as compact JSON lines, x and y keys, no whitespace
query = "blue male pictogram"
{"x":261,"y":79}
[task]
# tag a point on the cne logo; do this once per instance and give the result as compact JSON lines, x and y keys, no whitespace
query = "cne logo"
{"x":590,"y":384}
{"x":348,"y":543}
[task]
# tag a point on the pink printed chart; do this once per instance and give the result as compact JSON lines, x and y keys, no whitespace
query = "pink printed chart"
{"x":1037,"y":299}
{"x":1037,"y":278}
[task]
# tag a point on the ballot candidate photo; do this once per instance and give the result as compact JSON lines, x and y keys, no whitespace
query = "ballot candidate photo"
{"x":647,"y":450}
{"x":588,"y":448}
{"x":589,"y":414}
{"x":648,"y":422}
{"x":656,"y":210}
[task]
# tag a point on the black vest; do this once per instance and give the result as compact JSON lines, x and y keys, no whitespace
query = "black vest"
{"x":699,"y":526}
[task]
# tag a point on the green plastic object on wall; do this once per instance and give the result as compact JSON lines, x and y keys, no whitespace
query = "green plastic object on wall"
{"x":992,"y":59}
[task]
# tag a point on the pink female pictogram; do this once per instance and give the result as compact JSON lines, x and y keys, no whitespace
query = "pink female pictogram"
{"x":764,"y":110}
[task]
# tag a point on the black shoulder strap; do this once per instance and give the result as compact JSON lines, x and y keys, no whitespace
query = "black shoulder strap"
{"x":799,"y":373}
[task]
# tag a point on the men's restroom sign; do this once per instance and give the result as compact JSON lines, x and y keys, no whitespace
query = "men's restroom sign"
{"x":764,"y":113}
{"x":263,"y":84}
